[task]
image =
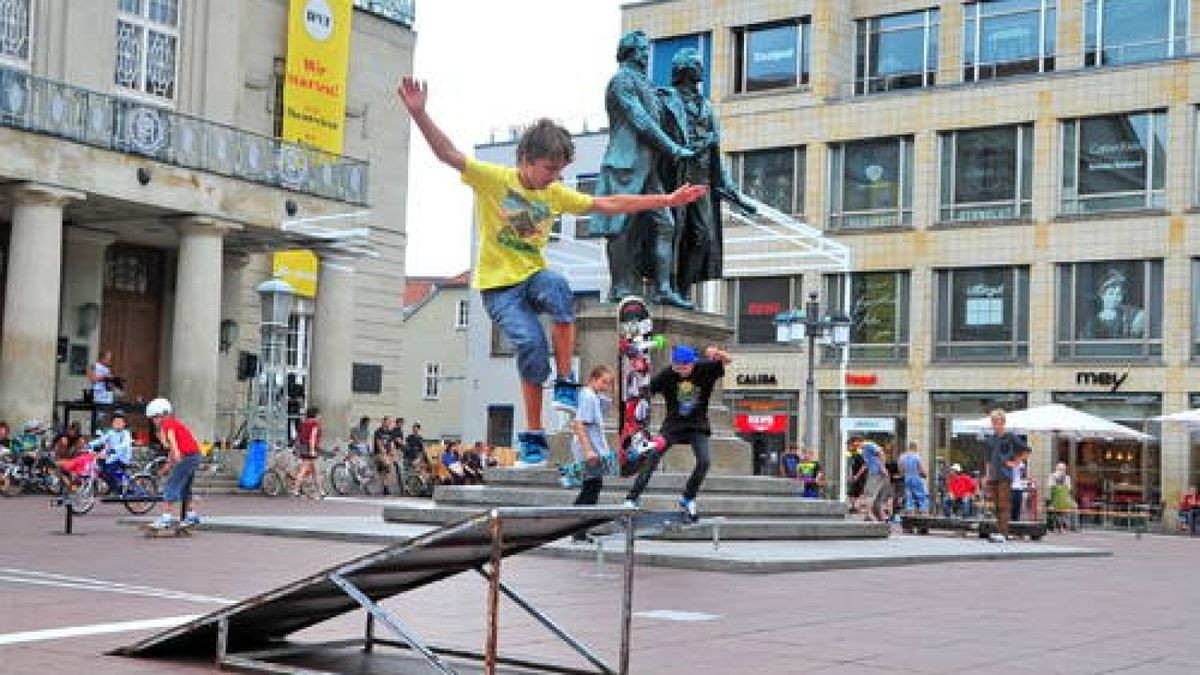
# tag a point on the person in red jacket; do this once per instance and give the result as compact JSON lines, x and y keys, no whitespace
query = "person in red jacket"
{"x":1189,"y":501}
{"x":183,"y":456}
{"x":960,"y":489}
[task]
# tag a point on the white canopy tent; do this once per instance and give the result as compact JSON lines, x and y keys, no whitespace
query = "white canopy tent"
{"x":1189,"y":417}
{"x":1061,"y":420}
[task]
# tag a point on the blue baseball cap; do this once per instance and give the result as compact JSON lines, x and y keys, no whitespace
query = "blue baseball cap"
{"x":683,"y":355}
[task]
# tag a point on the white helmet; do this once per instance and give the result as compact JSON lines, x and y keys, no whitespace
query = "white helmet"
{"x":159,"y":406}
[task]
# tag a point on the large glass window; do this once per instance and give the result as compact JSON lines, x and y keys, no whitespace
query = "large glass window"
{"x":880,"y":416}
{"x":896,"y":52}
{"x":774,"y":177}
{"x":663,"y":50}
{"x":987,"y":174}
{"x":755,"y":301}
{"x":585,"y":183}
{"x":771,"y":56}
{"x":982,"y":314}
{"x":1007,"y":37}
{"x":1114,"y":162}
{"x":878,"y":310}
{"x":14,"y":31}
{"x":1110,"y":309}
{"x":1129,"y":31}
{"x":148,"y":46}
{"x":871,"y":183}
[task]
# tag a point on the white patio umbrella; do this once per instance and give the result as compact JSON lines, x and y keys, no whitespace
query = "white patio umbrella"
{"x":1062,"y":420}
{"x":1188,"y":417}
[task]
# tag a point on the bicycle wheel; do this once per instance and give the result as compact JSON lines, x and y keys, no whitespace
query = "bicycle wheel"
{"x":83,"y":498}
{"x":272,"y":484}
{"x":140,"y":486}
{"x":368,"y":479}
{"x":340,"y":478}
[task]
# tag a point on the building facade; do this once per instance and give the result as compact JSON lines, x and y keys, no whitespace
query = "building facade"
{"x":145,"y":187}
{"x":1017,"y":182}
{"x":437,"y":314}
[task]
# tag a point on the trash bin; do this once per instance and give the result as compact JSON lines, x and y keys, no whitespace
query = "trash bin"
{"x":255,"y":467}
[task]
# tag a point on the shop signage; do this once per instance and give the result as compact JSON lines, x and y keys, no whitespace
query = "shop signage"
{"x":861,"y":378}
{"x":760,"y":424}
{"x":885,"y":425}
{"x":1101,"y":378}
{"x":756,"y":379}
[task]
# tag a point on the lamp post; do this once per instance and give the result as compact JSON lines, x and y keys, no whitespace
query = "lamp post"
{"x":799,"y":327}
{"x":275,"y":296}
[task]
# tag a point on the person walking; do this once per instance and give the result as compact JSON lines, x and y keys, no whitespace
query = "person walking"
{"x":308,"y":446}
{"x":874,"y":472}
{"x":1003,"y":450}
{"x":515,"y":211}
{"x":686,"y":386}
{"x":916,"y":493}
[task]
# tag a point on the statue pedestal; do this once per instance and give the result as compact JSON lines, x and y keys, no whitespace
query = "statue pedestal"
{"x":596,"y":342}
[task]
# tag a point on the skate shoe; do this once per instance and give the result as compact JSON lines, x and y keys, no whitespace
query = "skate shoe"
{"x":532,"y":450}
{"x":163,"y":522}
{"x":191,"y":519}
{"x":688,"y":506}
{"x":566,"y":395}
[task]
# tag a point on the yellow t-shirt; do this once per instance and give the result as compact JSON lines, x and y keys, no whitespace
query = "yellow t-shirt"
{"x":514,"y":222}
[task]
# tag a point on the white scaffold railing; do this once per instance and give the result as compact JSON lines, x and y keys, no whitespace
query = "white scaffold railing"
{"x":771,"y":242}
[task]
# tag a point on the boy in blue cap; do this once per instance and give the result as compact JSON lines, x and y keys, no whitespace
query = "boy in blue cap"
{"x":515,"y":209}
{"x":686,"y":386}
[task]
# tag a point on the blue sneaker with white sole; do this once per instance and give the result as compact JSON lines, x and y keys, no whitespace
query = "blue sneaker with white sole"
{"x":566,"y":395}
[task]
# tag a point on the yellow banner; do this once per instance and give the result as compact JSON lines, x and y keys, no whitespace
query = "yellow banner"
{"x":314,"y":89}
{"x":299,"y":269}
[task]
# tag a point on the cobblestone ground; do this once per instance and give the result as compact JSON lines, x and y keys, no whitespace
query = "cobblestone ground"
{"x":66,"y":600}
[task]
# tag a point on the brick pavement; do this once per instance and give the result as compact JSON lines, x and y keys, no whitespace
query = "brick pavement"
{"x":1130,"y":612}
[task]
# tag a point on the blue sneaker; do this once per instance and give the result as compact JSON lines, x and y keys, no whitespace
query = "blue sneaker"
{"x":566,"y":395}
{"x":191,"y":519}
{"x":689,"y":509}
{"x":532,"y":450}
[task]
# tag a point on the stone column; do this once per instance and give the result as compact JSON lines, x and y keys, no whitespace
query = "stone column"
{"x":332,"y":338}
{"x":196,"y":325}
{"x":28,"y":367}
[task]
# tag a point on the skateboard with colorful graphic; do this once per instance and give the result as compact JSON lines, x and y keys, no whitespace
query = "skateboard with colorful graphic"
{"x":635,"y":341}
{"x":571,"y":474}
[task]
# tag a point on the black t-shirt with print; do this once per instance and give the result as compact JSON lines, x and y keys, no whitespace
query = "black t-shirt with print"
{"x":687,"y":398}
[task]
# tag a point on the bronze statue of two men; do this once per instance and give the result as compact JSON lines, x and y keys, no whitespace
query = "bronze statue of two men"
{"x":660,"y":138}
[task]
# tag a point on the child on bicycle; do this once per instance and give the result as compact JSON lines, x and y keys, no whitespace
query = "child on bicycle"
{"x":515,"y":210}
{"x":117,"y":452}
{"x":183,"y":456}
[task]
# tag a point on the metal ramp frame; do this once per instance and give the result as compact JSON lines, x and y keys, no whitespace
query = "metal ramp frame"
{"x":251,"y":634}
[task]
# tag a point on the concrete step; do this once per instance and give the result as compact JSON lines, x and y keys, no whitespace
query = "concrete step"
{"x":660,"y":482}
{"x":732,"y":528}
{"x":746,"y":506}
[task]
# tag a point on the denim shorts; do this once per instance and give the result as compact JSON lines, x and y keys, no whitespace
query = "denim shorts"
{"x":179,"y":482}
{"x":515,"y":310}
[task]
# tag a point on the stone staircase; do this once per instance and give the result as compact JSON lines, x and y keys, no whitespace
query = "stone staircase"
{"x":750,"y":508}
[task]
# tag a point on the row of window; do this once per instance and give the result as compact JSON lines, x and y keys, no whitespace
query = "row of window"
{"x":900,"y":51}
{"x":1104,"y":310}
{"x":1108,"y":163}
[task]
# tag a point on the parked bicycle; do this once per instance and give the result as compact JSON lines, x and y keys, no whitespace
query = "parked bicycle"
{"x":281,"y":472}
{"x":352,"y":471}
{"x":416,"y":476}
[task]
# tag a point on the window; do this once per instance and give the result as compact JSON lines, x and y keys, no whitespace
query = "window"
{"x":1110,"y":309}
{"x":878,"y":309}
{"x":755,"y":301}
{"x":1114,"y":162}
{"x":896,"y":52}
{"x":982,"y":314}
{"x":771,"y":56}
{"x":14,"y":32}
{"x":299,"y":337}
{"x":433,"y":381}
{"x":987,"y":174}
{"x":462,"y":313}
{"x":1196,"y":313}
{"x":871,"y":183}
{"x":585,"y":183}
{"x":663,"y":50}
{"x":1007,"y":37}
{"x":1129,"y":31}
{"x":774,"y":177}
{"x":148,"y":46}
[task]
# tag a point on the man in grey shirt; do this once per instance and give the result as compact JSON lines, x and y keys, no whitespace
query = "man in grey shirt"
{"x":587,"y":442}
{"x":1004,"y":452}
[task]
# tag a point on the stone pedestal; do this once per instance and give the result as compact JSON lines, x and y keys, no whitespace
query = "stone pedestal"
{"x":596,"y":342}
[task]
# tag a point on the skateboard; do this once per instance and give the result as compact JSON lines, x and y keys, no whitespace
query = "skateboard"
{"x":635,"y":341}
{"x":653,"y":522}
{"x":177,"y":530}
{"x":571,"y":474}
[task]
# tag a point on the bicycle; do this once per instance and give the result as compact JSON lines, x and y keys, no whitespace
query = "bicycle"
{"x":281,"y":472}
{"x":416,"y":476}
{"x":351,"y":470}
{"x":137,"y":492}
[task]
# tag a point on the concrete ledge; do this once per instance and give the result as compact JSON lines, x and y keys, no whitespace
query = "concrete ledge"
{"x":659,"y":482}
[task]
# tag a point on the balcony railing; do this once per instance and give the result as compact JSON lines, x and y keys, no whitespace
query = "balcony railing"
{"x":52,"y":108}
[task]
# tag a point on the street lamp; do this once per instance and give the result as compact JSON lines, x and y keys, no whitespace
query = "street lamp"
{"x":798,"y":327}
{"x":275,"y":296}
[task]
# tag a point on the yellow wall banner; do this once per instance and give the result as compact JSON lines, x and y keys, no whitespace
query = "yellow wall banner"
{"x":299,"y":269}
{"x":314,"y":89}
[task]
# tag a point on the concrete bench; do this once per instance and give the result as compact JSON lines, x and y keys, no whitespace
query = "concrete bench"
{"x":922,"y":524}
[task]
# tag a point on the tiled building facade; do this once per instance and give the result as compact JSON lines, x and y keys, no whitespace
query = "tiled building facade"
{"x":1018,"y":183}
